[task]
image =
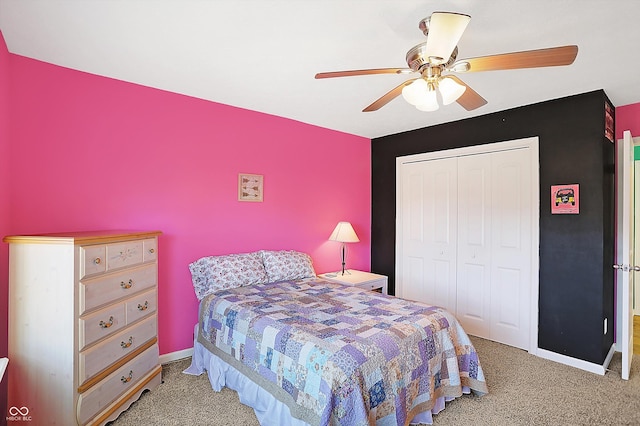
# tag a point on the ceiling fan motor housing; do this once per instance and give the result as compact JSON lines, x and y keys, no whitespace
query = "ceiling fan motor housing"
{"x":417,"y":59}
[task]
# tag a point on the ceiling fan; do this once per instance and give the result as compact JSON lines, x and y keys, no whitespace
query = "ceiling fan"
{"x":439,"y":55}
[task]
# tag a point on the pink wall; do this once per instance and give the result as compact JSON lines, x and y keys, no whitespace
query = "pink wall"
{"x":94,"y":153}
{"x":4,"y":209}
{"x":628,"y":118}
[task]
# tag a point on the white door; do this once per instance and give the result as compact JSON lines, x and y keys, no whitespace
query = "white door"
{"x":511,"y":239}
{"x":494,"y":246}
{"x":474,"y":244}
{"x":624,"y":255}
{"x":635,"y":278}
{"x":428,"y":251}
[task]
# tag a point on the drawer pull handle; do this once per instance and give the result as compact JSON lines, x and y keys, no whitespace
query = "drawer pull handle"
{"x":97,"y":260}
{"x":152,"y":251}
{"x":107,"y":324}
{"x":125,"y":345}
{"x":127,"y":379}
{"x":143,"y":307}
{"x":126,"y":285}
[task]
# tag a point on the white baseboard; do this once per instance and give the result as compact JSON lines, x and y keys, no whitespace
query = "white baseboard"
{"x":578,"y":363}
{"x":607,"y":360}
{"x":174,"y":356}
{"x":3,"y":366}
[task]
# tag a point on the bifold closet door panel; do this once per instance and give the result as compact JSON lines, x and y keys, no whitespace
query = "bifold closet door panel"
{"x":427,"y":263}
{"x":511,"y":247}
{"x":474,"y":244}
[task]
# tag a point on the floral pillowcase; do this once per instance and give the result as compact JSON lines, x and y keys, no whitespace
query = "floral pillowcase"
{"x":214,"y":273}
{"x":286,"y":265}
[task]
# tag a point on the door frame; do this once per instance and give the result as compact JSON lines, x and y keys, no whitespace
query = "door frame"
{"x":636,"y":214}
{"x":531,"y":143}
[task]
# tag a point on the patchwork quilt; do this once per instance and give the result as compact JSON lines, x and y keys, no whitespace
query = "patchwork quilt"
{"x":341,"y":355}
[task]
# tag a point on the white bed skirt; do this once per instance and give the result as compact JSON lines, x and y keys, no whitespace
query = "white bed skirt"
{"x":269,"y":411}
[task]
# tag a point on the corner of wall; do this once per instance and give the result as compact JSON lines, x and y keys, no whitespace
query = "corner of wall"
{"x":4,"y":209}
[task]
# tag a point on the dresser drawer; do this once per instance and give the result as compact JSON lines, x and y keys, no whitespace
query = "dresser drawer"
{"x":150,"y":250}
{"x":93,"y":260}
{"x":99,"y":357}
{"x":102,"y":290}
{"x":122,"y":255}
{"x":94,"y":327}
{"x":378,"y":285}
{"x":140,"y":306}
{"x":120,"y":381}
{"x":360,"y":279}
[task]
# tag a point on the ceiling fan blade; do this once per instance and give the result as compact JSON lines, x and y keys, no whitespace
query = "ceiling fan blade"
{"x":364,"y":72}
{"x":551,"y":57}
{"x":388,"y":97}
{"x":470,"y":99}
{"x":444,"y":30}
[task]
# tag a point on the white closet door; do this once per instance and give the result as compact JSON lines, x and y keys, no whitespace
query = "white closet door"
{"x":494,"y":246}
{"x":511,"y":247}
{"x":467,"y":237}
{"x":474,"y":244}
{"x":427,"y":261}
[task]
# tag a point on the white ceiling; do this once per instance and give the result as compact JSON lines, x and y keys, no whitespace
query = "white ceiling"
{"x":262,"y":55}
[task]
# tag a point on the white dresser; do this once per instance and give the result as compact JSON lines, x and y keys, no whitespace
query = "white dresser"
{"x":82,"y":325}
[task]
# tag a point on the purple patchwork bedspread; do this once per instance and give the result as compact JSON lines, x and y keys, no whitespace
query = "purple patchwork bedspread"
{"x":340,"y":355}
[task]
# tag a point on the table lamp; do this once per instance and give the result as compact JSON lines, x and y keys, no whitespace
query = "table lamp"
{"x":344,"y":233}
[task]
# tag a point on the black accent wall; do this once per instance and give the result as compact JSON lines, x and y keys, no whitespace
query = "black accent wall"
{"x":576,"y":251}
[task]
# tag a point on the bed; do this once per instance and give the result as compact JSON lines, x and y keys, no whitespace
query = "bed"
{"x":301,"y":350}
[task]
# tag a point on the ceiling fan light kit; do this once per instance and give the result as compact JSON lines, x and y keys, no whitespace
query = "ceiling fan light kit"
{"x":422,"y":95}
{"x":422,"y":92}
{"x":439,"y":53}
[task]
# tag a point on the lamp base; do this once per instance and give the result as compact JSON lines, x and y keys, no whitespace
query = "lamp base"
{"x":343,"y":253}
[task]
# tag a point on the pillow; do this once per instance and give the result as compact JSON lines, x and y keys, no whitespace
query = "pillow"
{"x":287,"y":265}
{"x":214,"y":273}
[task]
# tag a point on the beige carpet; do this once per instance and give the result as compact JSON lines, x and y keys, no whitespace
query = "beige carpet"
{"x":523,"y":390}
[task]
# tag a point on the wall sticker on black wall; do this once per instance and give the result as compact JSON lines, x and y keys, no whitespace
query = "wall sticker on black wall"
{"x":608,"y":121}
{"x":565,"y":199}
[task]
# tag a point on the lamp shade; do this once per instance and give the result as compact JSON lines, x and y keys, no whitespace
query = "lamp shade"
{"x":445,"y":30}
{"x":414,"y":92}
{"x":344,"y":233}
{"x":429,"y":102}
{"x":450,"y":90}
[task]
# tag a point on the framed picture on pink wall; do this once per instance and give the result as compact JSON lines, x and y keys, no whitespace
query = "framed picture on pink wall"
{"x":250,"y":187}
{"x":565,"y":199}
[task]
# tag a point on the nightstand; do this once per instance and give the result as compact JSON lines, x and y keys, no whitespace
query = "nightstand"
{"x":360,"y":279}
